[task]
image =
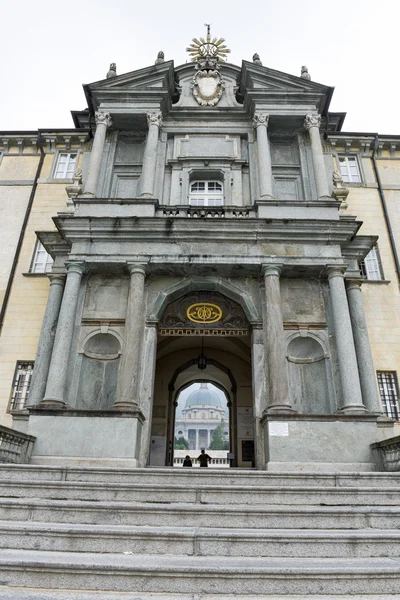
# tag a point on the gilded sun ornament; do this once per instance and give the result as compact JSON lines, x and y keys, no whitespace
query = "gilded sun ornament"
{"x":207,"y":48}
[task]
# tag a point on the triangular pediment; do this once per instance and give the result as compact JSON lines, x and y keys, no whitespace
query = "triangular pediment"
{"x":151,"y":83}
{"x":260,"y":84}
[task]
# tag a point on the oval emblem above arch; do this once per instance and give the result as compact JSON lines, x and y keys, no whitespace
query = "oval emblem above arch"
{"x":203,"y":313}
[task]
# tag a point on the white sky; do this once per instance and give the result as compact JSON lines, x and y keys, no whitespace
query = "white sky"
{"x":51,"y":48}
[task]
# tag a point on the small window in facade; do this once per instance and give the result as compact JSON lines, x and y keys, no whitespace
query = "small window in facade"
{"x":65,"y":167}
{"x":206,"y":193}
{"x":42,"y":261}
{"x":389,"y":391}
{"x":349,"y":169}
{"x":21,"y":385}
{"x":371,"y":267}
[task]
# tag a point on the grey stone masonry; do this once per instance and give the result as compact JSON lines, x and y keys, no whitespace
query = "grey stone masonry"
{"x":55,"y":389}
{"x":260,"y":123}
{"x":46,"y":340}
{"x":150,"y":154}
{"x":351,"y":390}
{"x":103,"y":120}
{"x":275,"y":351}
{"x":129,"y":373}
{"x":365,"y":362}
{"x":312,"y":124}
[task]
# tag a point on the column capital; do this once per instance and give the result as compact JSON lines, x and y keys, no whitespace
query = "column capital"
{"x":312,"y":121}
{"x":260,"y":119}
{"x":135,"y":267}
{"x":57,"y":278}
{"x":268,"y":270}
{"x":102,"y":117}
{"x":353,"y":283}
{"x":76,"y":266}
{"x":335,"y":271}
{"x":154,"y":118}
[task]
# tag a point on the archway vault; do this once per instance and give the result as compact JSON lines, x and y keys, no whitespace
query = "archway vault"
{"x":211,"y":284}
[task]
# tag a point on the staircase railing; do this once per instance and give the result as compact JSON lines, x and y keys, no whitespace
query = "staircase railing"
{"x":15,"y":446}
{"x":387,"y":454}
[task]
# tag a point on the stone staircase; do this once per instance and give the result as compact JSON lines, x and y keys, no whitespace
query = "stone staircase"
{"x":169,"y":534}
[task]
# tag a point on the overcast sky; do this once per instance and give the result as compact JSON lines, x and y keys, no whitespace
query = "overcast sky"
{"x":52,"y":48}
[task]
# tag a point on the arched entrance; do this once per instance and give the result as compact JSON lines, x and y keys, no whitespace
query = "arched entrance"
{"x":203,"y":336}
{"x":202,"y":420}
{"x":220,"y":376}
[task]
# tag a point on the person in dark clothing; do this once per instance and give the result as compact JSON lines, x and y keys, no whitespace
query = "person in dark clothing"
{"x":203,"y":459}
{"x":187,"y":461}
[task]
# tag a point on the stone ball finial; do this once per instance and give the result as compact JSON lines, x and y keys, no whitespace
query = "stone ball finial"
{"x":256,"y":59}
{"x":113,"y":71}
{"x":160,"y":58}
{"x":305,"y":74}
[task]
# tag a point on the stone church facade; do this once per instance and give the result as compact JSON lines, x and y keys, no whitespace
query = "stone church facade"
{"x":205,"y":236}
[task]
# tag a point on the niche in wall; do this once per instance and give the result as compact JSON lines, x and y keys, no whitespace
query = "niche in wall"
{"x":308,"y":376}
{"x":99,"y":372}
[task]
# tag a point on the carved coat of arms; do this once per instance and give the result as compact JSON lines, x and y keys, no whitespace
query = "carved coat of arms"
{"x":207,"y":87}
{"x":207,"y":82}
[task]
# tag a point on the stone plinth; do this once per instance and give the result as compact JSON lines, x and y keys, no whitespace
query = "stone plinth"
{"x":80,"y":438}
{"x":321,"y":442}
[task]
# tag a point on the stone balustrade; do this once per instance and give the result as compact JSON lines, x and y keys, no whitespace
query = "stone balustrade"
{"x":15,"y":446}
{"x":387,"y":454}
{"x":208,"y":212}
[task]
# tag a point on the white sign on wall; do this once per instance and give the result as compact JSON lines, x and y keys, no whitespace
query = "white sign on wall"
{"x":278,"y":429}
{"x":157,"y":451}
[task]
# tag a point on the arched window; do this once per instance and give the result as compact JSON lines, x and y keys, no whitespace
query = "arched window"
{"x":206,"y":193}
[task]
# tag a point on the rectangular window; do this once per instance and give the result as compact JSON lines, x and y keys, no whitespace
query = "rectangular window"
{"x":349,"y":169}
{"x":389,"y":391}
{"x":42,"y":261}
{"x":371,"y":267}
{"x":21,"y":385}
{"x":65,"y":167}
{"x":206,"y":193}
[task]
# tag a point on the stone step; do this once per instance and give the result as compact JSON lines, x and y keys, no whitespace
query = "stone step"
{"x":201,"y":493}
{"x":41,"y":594}
{"x":198,"y":574}
{"x":200,"y":515}
{"x":182,"y":477}
{"x":200,"y":541}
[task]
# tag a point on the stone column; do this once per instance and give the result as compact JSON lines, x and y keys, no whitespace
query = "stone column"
{"x":129,"y":372}
{"x":351,"y":390}
{"x":46,"y":340}
{"x":278,"y":400}
{"x":57,"y":377}
{"x":259,"y":392}
{"x":103,"y":120}
{"x":365,"y":363}
{"x":312,"y":124}
{"x":260,"y":123}
{"x":197,"y":440}
{"x":154,"y":121}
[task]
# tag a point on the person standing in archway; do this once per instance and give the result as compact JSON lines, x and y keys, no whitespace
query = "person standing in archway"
{"x":204,"y":459}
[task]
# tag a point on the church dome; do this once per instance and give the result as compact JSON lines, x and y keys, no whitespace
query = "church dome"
{"x":203,"y":397}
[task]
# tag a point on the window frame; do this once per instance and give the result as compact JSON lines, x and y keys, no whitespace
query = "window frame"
{"x":37,"y":249}
{"x":390,"y":402}
{"x":367,"y":269}
{"x":24,"y":389}
{"x":346,"y":158}
{"x":56,"y":160}
{"x":209,"y":198}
